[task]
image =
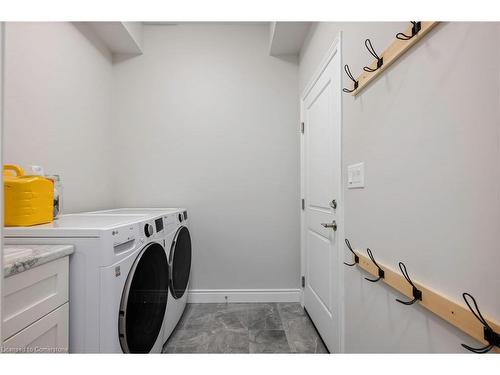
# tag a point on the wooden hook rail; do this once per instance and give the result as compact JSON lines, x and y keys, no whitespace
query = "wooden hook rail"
{"x":391,"y":54}
{"x":447,"y":309}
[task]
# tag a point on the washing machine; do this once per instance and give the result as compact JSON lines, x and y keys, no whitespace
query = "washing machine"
{"x":119,"y":279}
{"x":178,"y":249}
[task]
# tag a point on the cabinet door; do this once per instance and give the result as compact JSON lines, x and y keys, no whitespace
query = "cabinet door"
{"x":32,"y":294}
{"x":47,"y":335}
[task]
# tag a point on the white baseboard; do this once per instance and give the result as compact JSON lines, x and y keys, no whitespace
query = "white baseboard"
{"x":243,"y":295}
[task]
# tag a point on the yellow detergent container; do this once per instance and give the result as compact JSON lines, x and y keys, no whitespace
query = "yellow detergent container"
{"x":29,"y":200}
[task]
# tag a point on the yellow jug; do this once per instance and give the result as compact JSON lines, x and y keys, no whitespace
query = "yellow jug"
{"x":28,"y":200}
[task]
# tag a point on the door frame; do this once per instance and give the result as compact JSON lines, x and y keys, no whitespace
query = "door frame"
{"x":334,"y":49}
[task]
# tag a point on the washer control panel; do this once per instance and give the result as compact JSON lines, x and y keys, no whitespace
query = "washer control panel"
{"x":148,"y":230}
{"x":154,"y":228}
{"x":159,"y":224}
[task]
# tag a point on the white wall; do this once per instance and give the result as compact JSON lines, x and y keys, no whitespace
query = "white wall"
{"x":428,"y":132}
{"x":207,"y":120}
{"x":58,"y":108}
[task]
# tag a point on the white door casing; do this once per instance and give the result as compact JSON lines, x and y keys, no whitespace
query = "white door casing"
{"x":321,"y":167}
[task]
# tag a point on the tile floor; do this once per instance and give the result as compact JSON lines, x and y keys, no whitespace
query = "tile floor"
{"x":245,"y":328}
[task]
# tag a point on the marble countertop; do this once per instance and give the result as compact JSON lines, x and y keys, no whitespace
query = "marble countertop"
{"x":20,"y":258}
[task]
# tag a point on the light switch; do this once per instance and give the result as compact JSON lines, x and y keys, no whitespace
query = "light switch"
{"x":356,"y":176}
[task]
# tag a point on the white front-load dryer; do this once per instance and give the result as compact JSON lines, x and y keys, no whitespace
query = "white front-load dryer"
{"x":180,"y":256}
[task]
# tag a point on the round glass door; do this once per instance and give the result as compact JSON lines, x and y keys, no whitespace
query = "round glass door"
{"x":144,"y":301}
{"x":180,"y":260}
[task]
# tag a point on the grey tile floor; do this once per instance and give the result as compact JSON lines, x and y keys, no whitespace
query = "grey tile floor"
{"x":244,"y":328}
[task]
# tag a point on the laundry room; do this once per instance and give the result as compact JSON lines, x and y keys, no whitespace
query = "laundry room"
{"x":250,"y":187}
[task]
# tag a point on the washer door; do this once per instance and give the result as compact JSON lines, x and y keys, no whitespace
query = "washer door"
{"x":144,"y":301}
{"x":180,"y":262}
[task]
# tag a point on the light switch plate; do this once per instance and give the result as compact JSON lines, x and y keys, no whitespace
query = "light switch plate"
{"x":356,"y":176}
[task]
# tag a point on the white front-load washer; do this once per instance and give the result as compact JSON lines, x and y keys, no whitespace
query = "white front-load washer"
{"x":119,"y":279}
{"x":178,"y":248}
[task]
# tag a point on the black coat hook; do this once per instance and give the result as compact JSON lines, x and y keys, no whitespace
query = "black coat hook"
{"x":381,"y":273}
{"x":349,"y":74}
{"x":417,"y":294}
{"x":491,"y":336}
{"x":416,"y":26}
{"x":356,"y":258}
{"x":380,"y":60}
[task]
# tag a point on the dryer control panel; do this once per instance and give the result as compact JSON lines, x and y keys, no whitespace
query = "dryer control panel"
{"x":182,"y":216}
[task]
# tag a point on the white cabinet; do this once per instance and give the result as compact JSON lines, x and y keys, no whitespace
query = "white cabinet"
{"x":36,"y":308}
{"x":47,"y":335}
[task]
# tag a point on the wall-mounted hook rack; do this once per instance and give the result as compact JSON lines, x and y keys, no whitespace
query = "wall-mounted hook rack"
{"x":454,"y":313}
{"x":395,"y":50}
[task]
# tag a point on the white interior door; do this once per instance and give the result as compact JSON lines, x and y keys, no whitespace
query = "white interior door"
{"x":322,"y":219}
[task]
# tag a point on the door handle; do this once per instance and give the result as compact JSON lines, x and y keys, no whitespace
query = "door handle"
{"x":332,"y":225}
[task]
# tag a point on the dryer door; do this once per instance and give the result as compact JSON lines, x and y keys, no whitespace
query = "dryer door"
{"x":180,"y":262}
{"x":144,"y":301}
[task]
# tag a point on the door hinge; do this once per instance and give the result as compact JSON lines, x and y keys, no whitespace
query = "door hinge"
{"x":303,"y":281}
{"x":303,"y":204}
{"x":302,"y":127}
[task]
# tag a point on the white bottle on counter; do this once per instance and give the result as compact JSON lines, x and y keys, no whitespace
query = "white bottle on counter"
{"x":37,"y":170}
